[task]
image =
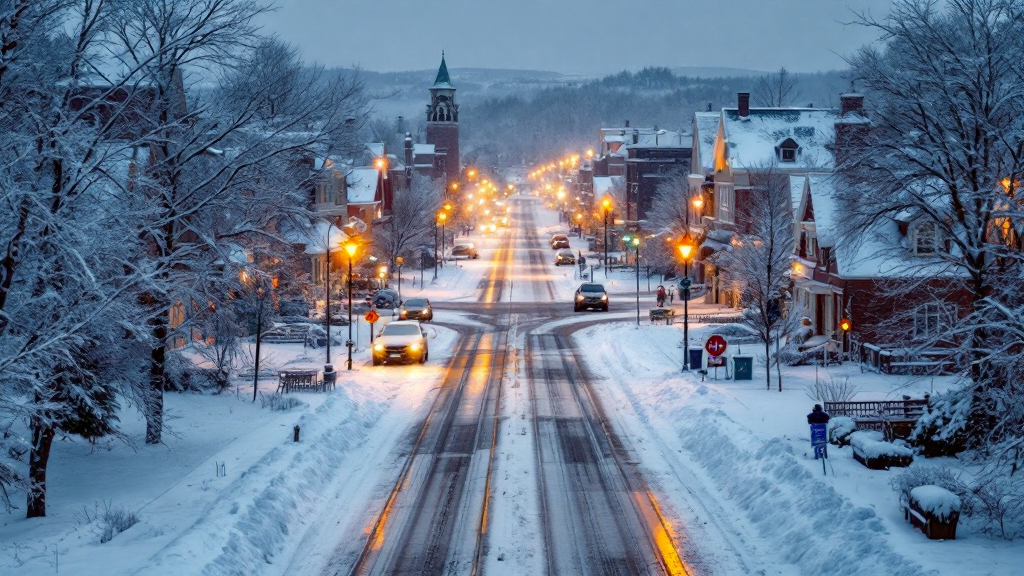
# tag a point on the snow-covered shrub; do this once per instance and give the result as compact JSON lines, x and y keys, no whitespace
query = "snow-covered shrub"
{"x":870,"y":450}
{"x":279,"y":402}
{"x":110,"y":521}
{"x":940,"y":431}
{"x":998,"y":506}
{"x":936,"y":500}
{"x":839,"y":430}
{"x":831,"y":390}
{"x":915,"y":476}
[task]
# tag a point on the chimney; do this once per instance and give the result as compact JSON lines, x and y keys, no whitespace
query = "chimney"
{"x":408,"y":160}
{"x":627,"y":123}
{"x":636,"y":136}
{"x":851,"y":103}
{"x":743,"y":101}
{"x":709,"y":106}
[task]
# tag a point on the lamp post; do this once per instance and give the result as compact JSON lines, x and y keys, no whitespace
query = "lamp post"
{"x":398,"y":262}
{"x":259,"y":282}
{"x":636,"y":244}
{"x":351,"y":248}
{"x":579,"y":225}
{"x":327,"y":285}
{"x":686,"y":250}
{"x":606,"y":207}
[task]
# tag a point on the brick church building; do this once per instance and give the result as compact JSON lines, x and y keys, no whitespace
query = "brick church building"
{"x":443,"y":126}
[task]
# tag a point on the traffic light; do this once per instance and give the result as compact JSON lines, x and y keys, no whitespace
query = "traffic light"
{"x":844,"y":325}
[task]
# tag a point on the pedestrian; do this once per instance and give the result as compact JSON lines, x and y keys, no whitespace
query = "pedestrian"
{"x":819,"y":416}
{"x":671,"y":295}
{"x":661,"y":296}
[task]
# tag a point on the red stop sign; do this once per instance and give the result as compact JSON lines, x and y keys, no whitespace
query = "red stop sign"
{"x":715,"y":345}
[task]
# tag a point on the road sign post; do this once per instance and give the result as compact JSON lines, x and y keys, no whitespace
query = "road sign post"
{"x":371,"y":318}
{"x":819,"y":440}
{"x":716,"y":345}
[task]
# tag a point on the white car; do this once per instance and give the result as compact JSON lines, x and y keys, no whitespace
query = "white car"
{"x":402,"y":341}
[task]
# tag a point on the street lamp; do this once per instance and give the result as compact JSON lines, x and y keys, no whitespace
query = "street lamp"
{"x":259,"y":281}
{"x":636,"y":244}
{"x":606,"y":208}
{"x":351,"y":248}
{"x":398,"y":262}
{"x":579,"y":224}
{"x":686,"y":250}
{"x":441,"y":217}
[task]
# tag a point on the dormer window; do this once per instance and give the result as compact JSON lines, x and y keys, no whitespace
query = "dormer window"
{"x":787,"y":150}
{"x":927,"y":239}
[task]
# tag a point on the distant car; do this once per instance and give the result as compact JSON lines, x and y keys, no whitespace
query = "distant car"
{"x":401,"y":341}
{"x":565,"y":257}
{"x":590,"y":296}
{"x":416,"y":309}
{"x":385,"y":298}
{"x":559,"y":241}
{"x":467,"y":250}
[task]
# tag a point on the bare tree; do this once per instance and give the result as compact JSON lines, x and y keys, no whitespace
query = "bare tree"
{"x":760,"y":260}
{"x":776,"y":90}
{"x":944,"y":152}
{"x":410,"y":223}
{"x":226,"y":164}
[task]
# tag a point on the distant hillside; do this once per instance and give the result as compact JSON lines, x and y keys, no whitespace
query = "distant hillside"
{"x":510,"y":117}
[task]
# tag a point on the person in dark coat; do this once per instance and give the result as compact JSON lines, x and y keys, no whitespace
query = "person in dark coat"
{"x":819,"y":416}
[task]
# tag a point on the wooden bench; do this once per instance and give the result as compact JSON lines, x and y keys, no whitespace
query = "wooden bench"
{"x":893,"y":418}
{"x":298,"y":380}
{"x":666,"y":315}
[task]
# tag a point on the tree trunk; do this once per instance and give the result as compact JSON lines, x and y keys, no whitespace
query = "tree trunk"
{"x":768,"y":364}
{"x":155,"y":396}
{"x":42,"y":439}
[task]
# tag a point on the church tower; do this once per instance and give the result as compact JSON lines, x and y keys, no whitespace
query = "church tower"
{"x":443,"y":125}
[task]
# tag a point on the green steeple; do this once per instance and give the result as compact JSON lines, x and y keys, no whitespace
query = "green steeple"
{"x":442,"y":80}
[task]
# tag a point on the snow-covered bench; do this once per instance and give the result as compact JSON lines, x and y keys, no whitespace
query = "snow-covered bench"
{"x":870,"y":450}
{"x":934,"y":510}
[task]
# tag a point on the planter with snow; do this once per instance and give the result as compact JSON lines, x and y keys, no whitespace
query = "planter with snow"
{"x":839,"y":430}
{"x":870,"y":450}
{"x":934,"y":510}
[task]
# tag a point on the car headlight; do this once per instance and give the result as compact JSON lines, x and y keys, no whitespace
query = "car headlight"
{"x":604,"y":296}
{"x":579,"y":297}
{"x":415,"y":346}
{"x":403,"y":314}
{"x":378,"y":347}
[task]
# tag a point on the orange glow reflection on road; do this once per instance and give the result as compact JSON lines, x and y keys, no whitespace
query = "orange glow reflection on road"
{"x":377,"y":539}
{"x":662,"y":535}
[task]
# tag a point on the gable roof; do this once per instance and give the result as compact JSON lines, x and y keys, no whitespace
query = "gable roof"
{"x":750,"y":141}
{"x":362,"y":185}
{"x":603,"y":185}
{"x":705,"y":130}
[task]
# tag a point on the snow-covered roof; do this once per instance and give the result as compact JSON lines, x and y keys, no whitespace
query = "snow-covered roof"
{"x":376,"y":149}
{"x":319,"y":236}
{"x":752,"y":140}
{"x":797,"y":184}
{"x":362,"y":185}
{"x":418,"y":149}
{"x":603,"y":185}
{"x":705,"y":126}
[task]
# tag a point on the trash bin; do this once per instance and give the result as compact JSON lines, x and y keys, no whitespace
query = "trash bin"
{"x":330,"y":377}
{"x":696,"y":358}
{"x":743,"y":367}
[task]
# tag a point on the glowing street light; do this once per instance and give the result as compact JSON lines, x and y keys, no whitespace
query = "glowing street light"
{"x":687,"y":248}
{"x":350,"y":248}
{"x":606,"y":208}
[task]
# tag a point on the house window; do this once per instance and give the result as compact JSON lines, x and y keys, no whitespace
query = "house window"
{"x":928,"y":320}
{"x":927,"y":239}
{"x":788,"y":155}
{"x":726,"y":203}
{"x":321,"y":191}
{"x":787,"y":150}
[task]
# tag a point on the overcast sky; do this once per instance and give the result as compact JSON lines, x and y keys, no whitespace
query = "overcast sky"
{"x":574,"y":36}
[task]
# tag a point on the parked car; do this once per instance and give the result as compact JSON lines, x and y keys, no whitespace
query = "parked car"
{"x":416,"y":309}
{"x":385,"y":298}
{"x":466,"y":250}
{"x":559,"y":241}
{"x":565,"y":257}
{"x":590,"y":296}
{"x":401,"y":341}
